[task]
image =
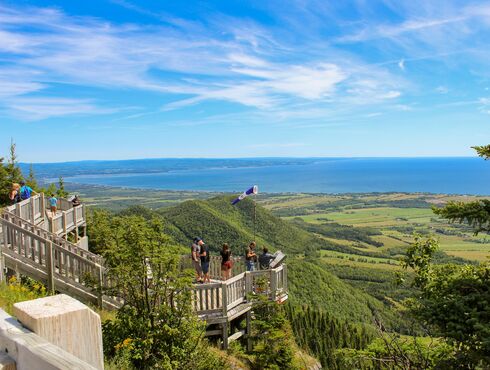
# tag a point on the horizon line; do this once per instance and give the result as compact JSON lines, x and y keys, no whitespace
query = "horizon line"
{"x":250,"y":158}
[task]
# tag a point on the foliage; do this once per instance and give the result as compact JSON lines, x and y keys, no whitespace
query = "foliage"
{"x":31,"y":178}
{"x":5,"y":185}
{"x":453,"y":302}
{"x":483,"y":151}
{"x":391,"y":351}
{"x":310,"y":283}
{"x":61,"y":192}
{"x":271,"y":336}
{"x":156,"y":327}
{"x":98,"y":229}
{"x":477,"y":213}
{"x":323,"y":334}
{"x":338,"y":231}
{"x":14,"y":174}
{"x":18,"y":291}
{"x":9,"y":173}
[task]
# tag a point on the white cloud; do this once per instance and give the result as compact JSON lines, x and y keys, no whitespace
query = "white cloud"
{"x":33,"y":109}
{"x":188,"y":60}
{"x":401,"y":64}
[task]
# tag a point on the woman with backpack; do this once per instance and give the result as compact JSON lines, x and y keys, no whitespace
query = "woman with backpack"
{"x":226,"y":262}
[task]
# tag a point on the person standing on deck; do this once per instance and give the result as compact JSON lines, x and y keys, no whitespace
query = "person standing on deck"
{"x":226,"y":263}
{"x":251,"y":257}
{"x":205,"y":258}
{"x":53,"y":202}
{"x":196,"y":261}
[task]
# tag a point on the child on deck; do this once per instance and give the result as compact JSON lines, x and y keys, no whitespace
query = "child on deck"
{"x":53,"y":203}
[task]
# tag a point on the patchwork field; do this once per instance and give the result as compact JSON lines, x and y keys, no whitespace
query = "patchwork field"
{"x":395,"y":216}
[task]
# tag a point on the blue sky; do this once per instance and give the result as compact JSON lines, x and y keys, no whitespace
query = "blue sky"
{"x":139,"y":79}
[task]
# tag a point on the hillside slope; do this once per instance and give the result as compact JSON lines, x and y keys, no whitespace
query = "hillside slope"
{"x":217,"y":222}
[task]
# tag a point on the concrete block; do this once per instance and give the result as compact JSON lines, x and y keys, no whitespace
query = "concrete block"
{"x":67,"y":323}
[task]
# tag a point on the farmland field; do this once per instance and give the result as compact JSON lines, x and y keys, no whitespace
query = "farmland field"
{"x":396,"y":216}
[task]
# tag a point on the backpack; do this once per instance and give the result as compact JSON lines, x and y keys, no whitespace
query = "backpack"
{"x":25,"y":192}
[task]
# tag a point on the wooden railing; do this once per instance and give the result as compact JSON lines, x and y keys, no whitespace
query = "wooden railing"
{"x":239,"y":265}
{"x":69,"y":217}
{"x":224,"y":296}
{"x":33,"y":209}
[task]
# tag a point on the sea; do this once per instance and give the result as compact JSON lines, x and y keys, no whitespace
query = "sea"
{"x":462,"y":175}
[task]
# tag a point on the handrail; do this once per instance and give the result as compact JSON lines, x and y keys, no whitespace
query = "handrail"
{"x":65,"y":244}
{"x":226,"y":295}
{"x":33,"y":209}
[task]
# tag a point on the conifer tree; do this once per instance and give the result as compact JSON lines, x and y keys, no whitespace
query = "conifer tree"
{"x":61,"y":192}
{"x":14,"y":174}
{"x":5,"y":184}
{"x":31,"y":178}
{"x":476,"y":214}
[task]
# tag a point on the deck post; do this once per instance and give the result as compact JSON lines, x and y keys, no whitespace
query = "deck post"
{"x":75,"y":222}
{"x":33,"y":211}
{"x":5,"y":244}
{"x":224,"y":298}
{"x":64,"y":224}
{"x":248,"y":283}
{"x":285,"y":277}
{"x":273,"y":284}
{"x":42,"y":206}
{"x":225,"y":334}
{"x":50,"y":265}
{"x":249,"y":330}
{"x":100,"y":292}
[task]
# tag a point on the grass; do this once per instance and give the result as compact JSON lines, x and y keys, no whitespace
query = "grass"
{"x":15,"y":292}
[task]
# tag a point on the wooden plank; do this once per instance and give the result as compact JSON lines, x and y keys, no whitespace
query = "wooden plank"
{"x":209,"y":333}
{"x":236,"y":336}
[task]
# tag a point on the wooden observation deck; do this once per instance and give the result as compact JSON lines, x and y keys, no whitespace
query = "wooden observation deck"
{"x":37,"y":246}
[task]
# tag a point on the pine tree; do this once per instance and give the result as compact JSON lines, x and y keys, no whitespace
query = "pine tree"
{"x":14,"y":174}
{"x":5,"y":185}
{"x":61,"y":192}
{"x":31,"y":179}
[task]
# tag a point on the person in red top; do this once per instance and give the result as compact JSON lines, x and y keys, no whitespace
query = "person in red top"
{"x":226,"y":263}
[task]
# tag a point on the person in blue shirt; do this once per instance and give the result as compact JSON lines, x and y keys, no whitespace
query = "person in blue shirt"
{"x":53,"y":202}
{"x":25,"y":191}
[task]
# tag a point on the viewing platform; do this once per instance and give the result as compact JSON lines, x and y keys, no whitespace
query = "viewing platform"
{"x":39,"y":246}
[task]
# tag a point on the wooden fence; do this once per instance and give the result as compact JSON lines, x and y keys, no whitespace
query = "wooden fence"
{"x":224,"y":296}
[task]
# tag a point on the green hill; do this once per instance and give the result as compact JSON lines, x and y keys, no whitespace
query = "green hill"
{"x":217,"y":222}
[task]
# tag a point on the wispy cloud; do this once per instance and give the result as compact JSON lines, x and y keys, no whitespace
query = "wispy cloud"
{"x":33,"y":109}
{"x":193,"y":61}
